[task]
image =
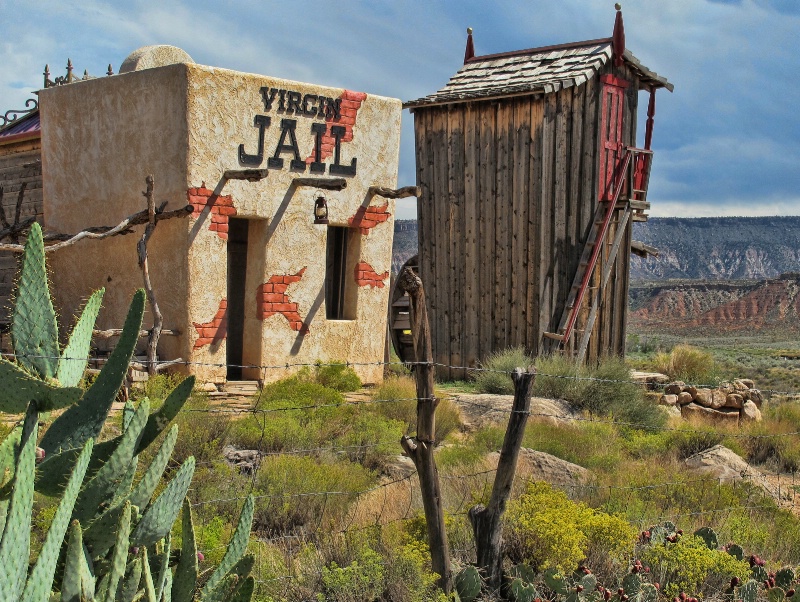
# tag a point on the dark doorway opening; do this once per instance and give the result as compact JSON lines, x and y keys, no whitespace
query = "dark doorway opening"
{"x":237,"y":270}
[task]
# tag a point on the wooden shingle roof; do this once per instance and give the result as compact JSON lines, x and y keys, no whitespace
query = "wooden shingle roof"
{"x":534,"y":71}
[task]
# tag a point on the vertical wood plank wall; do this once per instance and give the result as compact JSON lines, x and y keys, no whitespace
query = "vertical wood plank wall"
{"x":509,"y":190}
{"x":19,"y":163}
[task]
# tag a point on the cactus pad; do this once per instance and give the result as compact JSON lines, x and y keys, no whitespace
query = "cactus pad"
{"x":709,"y":536}
{"x":467,"y":583}
{"x":72,"y":362}
{"x":34,"y":332}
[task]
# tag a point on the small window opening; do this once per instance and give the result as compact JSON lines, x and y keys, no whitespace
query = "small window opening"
{"x":341,"y":257}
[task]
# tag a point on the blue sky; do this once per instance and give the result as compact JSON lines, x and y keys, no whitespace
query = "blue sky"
{"x":727,"y":141}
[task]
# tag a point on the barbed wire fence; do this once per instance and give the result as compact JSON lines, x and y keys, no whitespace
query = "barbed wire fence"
{"x":397,"y":500}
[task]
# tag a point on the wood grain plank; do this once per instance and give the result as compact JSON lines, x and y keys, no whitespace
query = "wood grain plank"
{"x":471,"y":345}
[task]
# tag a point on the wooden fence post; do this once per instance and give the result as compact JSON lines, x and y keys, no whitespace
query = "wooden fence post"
{"x":420,"y":448}
{"x":486,"y":521}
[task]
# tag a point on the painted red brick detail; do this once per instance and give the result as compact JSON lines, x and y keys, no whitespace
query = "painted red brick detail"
{"x":368,"y":217}
{"x":221,"y":208}
{"x":214,"y":331}
{"x":271,"y":299}
{"x":351,"y":102}
{"x":367,"y":276}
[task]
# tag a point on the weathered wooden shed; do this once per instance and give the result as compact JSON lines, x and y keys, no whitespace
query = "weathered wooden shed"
{"x":20,"y":187}
{"x":530,"y":180}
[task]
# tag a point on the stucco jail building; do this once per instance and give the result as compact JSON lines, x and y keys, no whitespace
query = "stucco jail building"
{"x":254,"y":275}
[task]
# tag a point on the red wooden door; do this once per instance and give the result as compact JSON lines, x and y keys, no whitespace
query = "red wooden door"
{"x":611,"y":145}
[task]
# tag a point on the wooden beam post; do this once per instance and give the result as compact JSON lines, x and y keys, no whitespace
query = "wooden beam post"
{"x":486,"y":521}
{"x":158,"y":319}
{"x":420,"y":448}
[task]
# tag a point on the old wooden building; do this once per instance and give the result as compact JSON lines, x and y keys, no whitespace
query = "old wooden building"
{"x":530,"y":180}
{"x":20,"y":187}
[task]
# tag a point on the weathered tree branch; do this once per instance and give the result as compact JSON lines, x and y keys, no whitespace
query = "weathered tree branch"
{"x":323,"y":183}
{"x":158,"y":319}
{"x":391,"y":193}
{"x":14,"y":229}
{"x":486,"y":521}
{"x":159,"y":366}
{"x":115,"y":332}
{"x":100,"y":232}
{"x":421,"y":450}
{"x":251,"y":175}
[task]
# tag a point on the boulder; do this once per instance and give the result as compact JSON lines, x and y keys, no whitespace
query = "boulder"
{"x":674,"y":388}
{"x":750,"y":412}
{"x":540,"y":466}
{"x":671,"y":411}
{"x":702,"y":397}
{"x":756,"y":397}
{"x":684,"y":398}
{"x":734,"y":400}
{"x":748,"y":383}
{"x":399,"y":467}
{"x":695,"y":412}
{"x":483,"y":410}
{"x":206,"y":387}
{"x":721,"y":463}
{"x":692,"y":390}
{"x":739,"y":384}
{"x":668,"y":400}
{"x":718,"y":398}
{"x":245,"y":460}
{"x":726,"y":387}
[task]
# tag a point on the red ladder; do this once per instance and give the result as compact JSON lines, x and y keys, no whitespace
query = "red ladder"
{"x":632,"y":173}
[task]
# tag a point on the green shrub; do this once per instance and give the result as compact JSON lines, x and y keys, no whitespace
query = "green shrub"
{"x":295,"y":392}
{"x":201,"y":433}
{"x":690,"y":566}
{"x":559,"y":377}
{"x":686,"y":363}
{"x":547,"y":529}
{"x":361,"y":581}
{"x":155,"y":388}
{"x":338,"y":376}
{"x":592,"y":445}
{"x":687,"y":443}
{"x":397,"y":400}
{"x":500,"y":365}
{"x":294,"y":490}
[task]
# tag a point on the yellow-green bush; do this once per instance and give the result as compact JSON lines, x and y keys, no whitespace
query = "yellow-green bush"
{"x":397,"y":400}
{"x":544,"y":528}
{"x":337,"y":375}
{"x":686,"y":363}
{"x":500,"y":365}
{"x":361,"y":581}
{"x":690,"y":566}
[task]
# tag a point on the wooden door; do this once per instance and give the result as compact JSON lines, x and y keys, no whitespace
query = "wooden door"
{"x":611,"y":144}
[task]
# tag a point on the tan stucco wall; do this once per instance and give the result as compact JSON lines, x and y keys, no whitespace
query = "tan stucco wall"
{"x":184,"y":124}
{"x":284,"y":240}
{"x":100,"y":139}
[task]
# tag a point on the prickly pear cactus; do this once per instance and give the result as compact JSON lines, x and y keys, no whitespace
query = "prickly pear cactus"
{"x":784,"y":578}
{"x":114,"y":523}
{"x":467,"y":584}
{"x":555,"y":582}
{"x":34,"y":332}
{"x":735,"y":550}
{"x":748,"y":592}
{"x":709,"y":536}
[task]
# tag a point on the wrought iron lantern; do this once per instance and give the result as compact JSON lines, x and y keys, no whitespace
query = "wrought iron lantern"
{"x":320,"y":211}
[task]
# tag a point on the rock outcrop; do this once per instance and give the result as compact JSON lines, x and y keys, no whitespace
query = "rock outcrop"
{"x":730,"y":404}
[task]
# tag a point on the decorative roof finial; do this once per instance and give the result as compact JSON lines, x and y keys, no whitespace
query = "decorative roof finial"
{"x":110,"y":71}
{"x":469,"y":52}
{"x":618,"y":37}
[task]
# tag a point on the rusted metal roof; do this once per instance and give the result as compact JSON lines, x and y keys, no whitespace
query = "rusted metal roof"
{"x":536,"y":70}
{"x":28,"y":124}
